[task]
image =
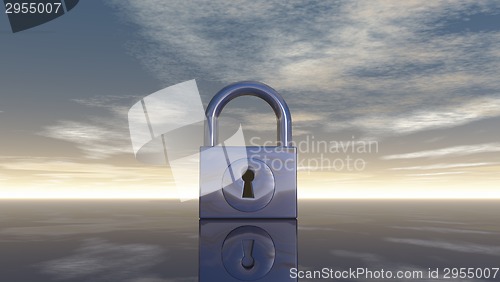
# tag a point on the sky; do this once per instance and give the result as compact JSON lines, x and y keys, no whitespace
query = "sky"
{"x":409,"y":89}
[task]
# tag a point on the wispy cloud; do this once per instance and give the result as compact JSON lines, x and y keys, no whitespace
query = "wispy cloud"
{"x":373,"y":65}
{"x":96,"y":141}
{"x":443,"y":166}
{"x":448,"y":116}
{"x":450,"y":151}
{"x":437,"y":173}
{"x":100,"y":136}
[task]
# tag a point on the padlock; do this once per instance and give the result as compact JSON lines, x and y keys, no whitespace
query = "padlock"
{"x":248,"y":182}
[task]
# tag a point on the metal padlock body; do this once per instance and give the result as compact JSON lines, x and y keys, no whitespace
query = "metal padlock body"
{"x":213,"y":202}
{"x":275,"y":166}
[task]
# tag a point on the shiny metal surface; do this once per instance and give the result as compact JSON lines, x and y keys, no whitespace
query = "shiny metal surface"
{"x":221,"y":253}
{"x":213,"y":166}
{"x":250,"y":88}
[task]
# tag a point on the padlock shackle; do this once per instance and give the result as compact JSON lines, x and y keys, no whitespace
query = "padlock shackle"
{"x":249,"y":88}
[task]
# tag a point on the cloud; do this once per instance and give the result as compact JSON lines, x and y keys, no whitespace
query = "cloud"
{"x":387,"y":68}
{"x":449,"y":116}
{"x":335,"y":40}
{"x":101,"y":135}
{"x":451,"y":246}
{"x":100,"y":260}
{"x":437,"y":173}
{"x":450,"y":151}
{"x":96,"y":141}
{"x":114,"y":104}
{"x":443,"y":166}
{"x":121,"y":127}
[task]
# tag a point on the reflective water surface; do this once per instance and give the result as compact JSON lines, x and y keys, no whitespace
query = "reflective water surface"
{"x":153,"y":241}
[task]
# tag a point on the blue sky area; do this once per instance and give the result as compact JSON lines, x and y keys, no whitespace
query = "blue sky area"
{"x":419,"y":78}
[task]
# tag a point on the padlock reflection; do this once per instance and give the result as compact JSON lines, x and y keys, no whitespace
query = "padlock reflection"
{"x":247,"y":250}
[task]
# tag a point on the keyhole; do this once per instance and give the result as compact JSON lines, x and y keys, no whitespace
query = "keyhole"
{"x":248,"y":177}
{"x":247,"y":261}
